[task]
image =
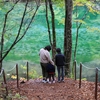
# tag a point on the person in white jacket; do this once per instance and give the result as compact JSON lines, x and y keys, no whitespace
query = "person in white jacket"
{"x":44,"y":60}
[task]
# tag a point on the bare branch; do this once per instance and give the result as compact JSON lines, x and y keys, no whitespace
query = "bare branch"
{"x":4,"y":28}
{"x":38,"y":2}
{"x":19,"y":38}
{"x":28,"y":25}
{"x":18,"y":30}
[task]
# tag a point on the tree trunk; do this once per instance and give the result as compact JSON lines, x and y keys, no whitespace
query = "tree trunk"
{"x":1,"y":56}
{"x":67,"y":35}
{"x":47,"y":20}
{"x":53,"y":30}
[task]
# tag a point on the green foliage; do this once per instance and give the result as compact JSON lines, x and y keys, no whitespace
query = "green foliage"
{"x":37,"y":35}
{"x":71,"y":75}
{"x":85,"y":6}
{"x":80,"y":21}
{"x":1,"y":4}
{"x":91,"y":6}
{"x":81,"y":2}
{"x":84,"y":79}
{"x":59,"y":3}
{"x":93,"y":29}
{"x":23,"y":67}
{"x":33,"y":74}
{"x":17,"y":96}
{"x":60,"y":19}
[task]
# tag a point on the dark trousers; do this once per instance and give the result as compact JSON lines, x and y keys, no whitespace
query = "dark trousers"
{"x":51,"y":77}
{"x":60,"y":70}
{"x":44,"y":72}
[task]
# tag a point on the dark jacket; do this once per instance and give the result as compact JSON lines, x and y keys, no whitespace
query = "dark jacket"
{"x":59,"y":59}
{"x":50,"y":68}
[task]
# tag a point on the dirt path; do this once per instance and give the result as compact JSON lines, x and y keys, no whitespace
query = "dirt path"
{"x":69,"y":90}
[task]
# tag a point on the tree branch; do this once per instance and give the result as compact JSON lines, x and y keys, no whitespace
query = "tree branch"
{"x":3,"y":31}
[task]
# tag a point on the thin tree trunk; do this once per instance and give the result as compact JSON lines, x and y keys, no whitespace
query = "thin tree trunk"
{"x":53,"y":30}
{"x":78,"y":25}
{"x":47,"y":20}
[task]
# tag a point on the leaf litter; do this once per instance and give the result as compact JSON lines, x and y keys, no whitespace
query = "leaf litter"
{"x":34,"y":89}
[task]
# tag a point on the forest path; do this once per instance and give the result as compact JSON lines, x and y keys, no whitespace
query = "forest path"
{"x":34,"y":89}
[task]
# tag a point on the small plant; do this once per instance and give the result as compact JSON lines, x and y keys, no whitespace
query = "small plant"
{"x":71,"y":75}
{"x":33,"y":74}
{"x":23,"y":67}
{"x":17,"y":96}
{"x":84,"y":79}
{"x":10,"y":96}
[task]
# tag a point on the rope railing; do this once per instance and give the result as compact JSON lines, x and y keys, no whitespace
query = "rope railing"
{"x":76,"y":63}
{"x":98,"y":69}
{"x":11,"y":69}
{"x":80,"y":76}
{"x":14,"y":67}
{"x":87,"y":67}
{"x":75,"y":66}
{"x":25,"y":64}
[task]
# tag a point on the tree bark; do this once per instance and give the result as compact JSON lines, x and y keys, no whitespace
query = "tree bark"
{"x":53,"y":30}
{"x":47,"y":20}
{"x":68,"y":35}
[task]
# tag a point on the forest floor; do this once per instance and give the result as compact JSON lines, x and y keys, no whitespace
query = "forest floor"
{"x":34,"y":89}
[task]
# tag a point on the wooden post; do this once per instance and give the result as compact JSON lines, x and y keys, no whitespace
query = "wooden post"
{"x":5,"y":83}
{"x":80,"y":75}
{"x":27,"y":71}
{"x":75,"y":68}
{"x":96,"y":82}
{"x":17,"y":75}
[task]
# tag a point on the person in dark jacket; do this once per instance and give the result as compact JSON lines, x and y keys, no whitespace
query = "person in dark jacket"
{"x":51,"y":72}
{"x":59,"y":62}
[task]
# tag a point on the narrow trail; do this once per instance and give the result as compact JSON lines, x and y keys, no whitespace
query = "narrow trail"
{"x":34,"y":89}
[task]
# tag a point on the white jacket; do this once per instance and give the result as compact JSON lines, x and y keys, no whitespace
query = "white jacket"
{"x":45,"y":56}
